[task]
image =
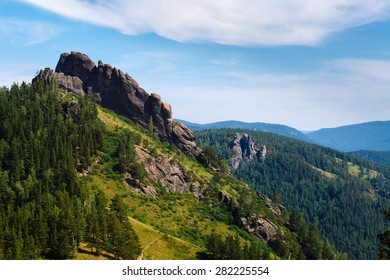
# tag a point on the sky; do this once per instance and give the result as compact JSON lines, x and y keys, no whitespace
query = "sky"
{"x":306,"y":64}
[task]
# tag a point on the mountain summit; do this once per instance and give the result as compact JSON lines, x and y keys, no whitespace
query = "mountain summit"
{"x":115,"y":90}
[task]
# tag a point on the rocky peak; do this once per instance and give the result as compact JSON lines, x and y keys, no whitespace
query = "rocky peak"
{"x":75,"y":64}
{"x":244,"y":148}
{"x":115,"y":90}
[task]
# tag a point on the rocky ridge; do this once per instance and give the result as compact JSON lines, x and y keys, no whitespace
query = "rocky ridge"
{"x":112,"y":88}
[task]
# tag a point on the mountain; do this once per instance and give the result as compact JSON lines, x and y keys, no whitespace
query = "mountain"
{"x":92,"y":168}
{"x":365,"y":136}
{"x":259,"y":126}
{"x":341,"y":193}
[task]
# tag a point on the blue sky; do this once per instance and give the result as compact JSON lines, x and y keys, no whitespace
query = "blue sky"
{"x":307,"y":64}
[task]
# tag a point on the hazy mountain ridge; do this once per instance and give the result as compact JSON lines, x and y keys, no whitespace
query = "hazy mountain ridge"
{"x":374,"y":136}
{"x":364,"y":136}
{"x":259,"y":126}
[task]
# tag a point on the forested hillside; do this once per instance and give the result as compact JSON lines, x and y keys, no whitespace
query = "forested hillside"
{"x":341,"y":194}
{"x":381,"y":157}
{"x":78,"y":181}
{"x":45,"y":211}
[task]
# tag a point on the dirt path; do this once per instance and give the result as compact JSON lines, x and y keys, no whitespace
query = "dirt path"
{"x":141,"y":257}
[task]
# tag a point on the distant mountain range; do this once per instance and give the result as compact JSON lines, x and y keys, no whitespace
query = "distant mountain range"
{"x":374,"y":136}
{"x":259,"y":126}
{"x":371,"y":136}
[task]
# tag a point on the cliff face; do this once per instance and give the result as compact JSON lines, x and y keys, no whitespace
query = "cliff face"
{"x":115,"y":90}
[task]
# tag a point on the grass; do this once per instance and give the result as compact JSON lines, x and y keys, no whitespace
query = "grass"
{"x":145,"y":232}
{"x":89,"y":256}
{"x":366,"y":173}
{"x":111,"y":121}
{"x":159,"y":246}
{"x":325,"y":173}
{"x":354,"y":170}
{"x":86,"y":253}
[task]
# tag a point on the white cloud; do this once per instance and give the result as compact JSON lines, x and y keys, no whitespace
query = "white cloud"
{"x":244,"y":22}
{"x":23,"y":32}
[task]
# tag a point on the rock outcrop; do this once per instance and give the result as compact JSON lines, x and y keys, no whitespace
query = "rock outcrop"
{"x":244,"y":148}
{"x":115,"y":90}
{"x":146,"y":189}
{"x":260,"y":227}
{"x":168,"y":173}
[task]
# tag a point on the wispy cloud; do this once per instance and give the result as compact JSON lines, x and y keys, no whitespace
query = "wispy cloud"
{"x":225,"y":62}
{"x":262,"y":79}
{"x":351,"y":72}
{"x":23,"y":32}
{"x":369,"y":70}
{"x":235,"y":22}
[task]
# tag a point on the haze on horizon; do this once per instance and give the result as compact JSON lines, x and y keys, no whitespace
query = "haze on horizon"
{"x":303,"y":64}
